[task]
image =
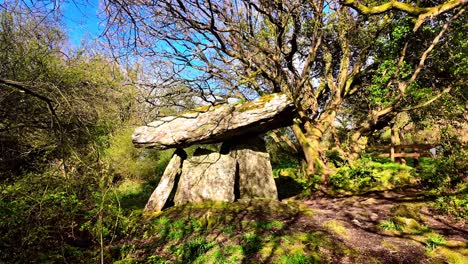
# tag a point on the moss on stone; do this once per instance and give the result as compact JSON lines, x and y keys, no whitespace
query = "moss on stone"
{"x":407,"y":211}
{"x":256,"y":104}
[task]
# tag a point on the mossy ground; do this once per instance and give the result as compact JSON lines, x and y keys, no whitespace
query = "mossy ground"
{"x":353,"y":229}
{"x":242,"y":232}
{"x":372,"y":226}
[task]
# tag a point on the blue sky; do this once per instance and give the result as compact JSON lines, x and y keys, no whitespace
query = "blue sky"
{"x":81,"y":20}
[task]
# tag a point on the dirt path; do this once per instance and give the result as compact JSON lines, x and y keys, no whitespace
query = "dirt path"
{"x":321,"y":229}
{"x":355,"y":221}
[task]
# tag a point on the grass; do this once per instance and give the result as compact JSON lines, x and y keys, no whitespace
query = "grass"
{"x":133,"y":194}
{"x":260,"y":231}
{"x":256,"y":231}
{"x":390,"y":225}
{"x":434,"y":241}
{"x":368,"y":175}
{"x":298,"y":259}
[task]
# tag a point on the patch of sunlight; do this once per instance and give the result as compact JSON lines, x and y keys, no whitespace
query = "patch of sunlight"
{"x":390,"y":245}
{"x":370,"y":201}
{"x":337,"y":227}
{"x":407,"y":210}
{"x":287,"y":248}
{"x":450,"y":256}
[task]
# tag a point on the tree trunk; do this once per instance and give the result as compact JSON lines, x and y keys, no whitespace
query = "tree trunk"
{"x":311,"y":149}
{"x":310,"y":137}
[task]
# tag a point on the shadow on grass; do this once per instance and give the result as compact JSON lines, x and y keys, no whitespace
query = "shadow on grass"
{"x":134,"y":195}
{"x":247,"y":231}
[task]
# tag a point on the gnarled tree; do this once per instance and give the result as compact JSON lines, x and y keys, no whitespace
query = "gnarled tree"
{"x":320,"y":53}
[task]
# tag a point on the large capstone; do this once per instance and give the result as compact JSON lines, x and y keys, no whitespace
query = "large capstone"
{"x":207,"y":176}
{"x":173,"y":170}
{"x":254,"y":172}
{"x":213,"y":124}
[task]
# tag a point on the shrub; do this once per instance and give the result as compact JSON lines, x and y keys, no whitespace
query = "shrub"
{"x":40,"y":219}
{"x":366,"y":174}
{"x":128,"y":162}
{"x":456,"y":205}
{"x":447,"y":172}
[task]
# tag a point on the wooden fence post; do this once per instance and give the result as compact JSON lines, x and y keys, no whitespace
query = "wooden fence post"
{"x":392,"y":144}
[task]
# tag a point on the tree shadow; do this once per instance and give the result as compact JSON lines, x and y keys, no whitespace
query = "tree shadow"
{"x":287,"y":187}
{"x":137,"y":198}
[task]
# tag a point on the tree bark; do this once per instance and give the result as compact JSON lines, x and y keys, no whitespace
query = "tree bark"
{"x":310,"y":137}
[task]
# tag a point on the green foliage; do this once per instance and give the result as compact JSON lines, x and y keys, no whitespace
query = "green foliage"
{"x":335,"y":157}
{"x":77,"y":99}
{"x":456,"y":205}
{"x":298,"y":259}
{"x":434,"y":241}
{"x":366,"y":174}
{"x":390,"y":225}
{"x":269,"y":225}
{"x":128,"y":162}
{"x":447,"y":177}
{"x":155,"y":260}
{"x":192,"y":249}
{"x":57,"y":198}
{"x":446,"y":172}
{"x":252,"y":243}
{"x":40,"y":221}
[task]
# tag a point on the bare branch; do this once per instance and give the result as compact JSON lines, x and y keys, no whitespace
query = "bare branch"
{"x":421,"y":12}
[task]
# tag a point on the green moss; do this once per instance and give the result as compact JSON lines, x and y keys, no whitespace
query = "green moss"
{"x":201,"y":109}
{"x":337,"y":227}
{"x":406,"y":210}
{"x":450,"y":256}
{"x":256,"y":104}
{"x":389,"y":245}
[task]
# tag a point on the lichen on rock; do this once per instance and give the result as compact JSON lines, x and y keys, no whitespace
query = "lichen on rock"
{"x":216,"y":124}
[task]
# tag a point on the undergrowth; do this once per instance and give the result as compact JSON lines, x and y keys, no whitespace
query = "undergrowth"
{"x":254,"y":231}
{"x":366,"y":175}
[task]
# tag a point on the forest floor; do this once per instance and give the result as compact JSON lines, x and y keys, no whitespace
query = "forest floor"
{"x":391,"y":227}
{"x":377,"y":227}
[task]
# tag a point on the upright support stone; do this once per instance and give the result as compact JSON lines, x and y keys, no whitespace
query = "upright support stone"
{"x":254,"y":169}
{"x":207,"y":176}
{"x":160,"y":195}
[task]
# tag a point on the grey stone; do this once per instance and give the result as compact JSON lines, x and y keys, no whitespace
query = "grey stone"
{"x":212,"y":124}
{"x":160,"y":195}
{"x":207,"y":176}
{"x":254,"y":169}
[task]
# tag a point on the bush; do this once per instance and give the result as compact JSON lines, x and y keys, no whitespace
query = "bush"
{"x":128,"y":162}
{"x":447,"y":176}
{"x":447,"y":172}
{"x":369,"y":175}
{"x":52,"y":217}
{"x":455,"y":205}
{"x":40,"y":219}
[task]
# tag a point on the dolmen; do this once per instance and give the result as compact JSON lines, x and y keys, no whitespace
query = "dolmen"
{"x":241,"y":169}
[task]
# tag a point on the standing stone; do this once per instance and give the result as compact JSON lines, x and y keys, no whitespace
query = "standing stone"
{"x":159,"y":197}
{"x":254,"y":169}
{"x":207,"y":176}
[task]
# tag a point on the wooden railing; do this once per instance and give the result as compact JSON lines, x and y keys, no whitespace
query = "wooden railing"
{"x":397,"y":153}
